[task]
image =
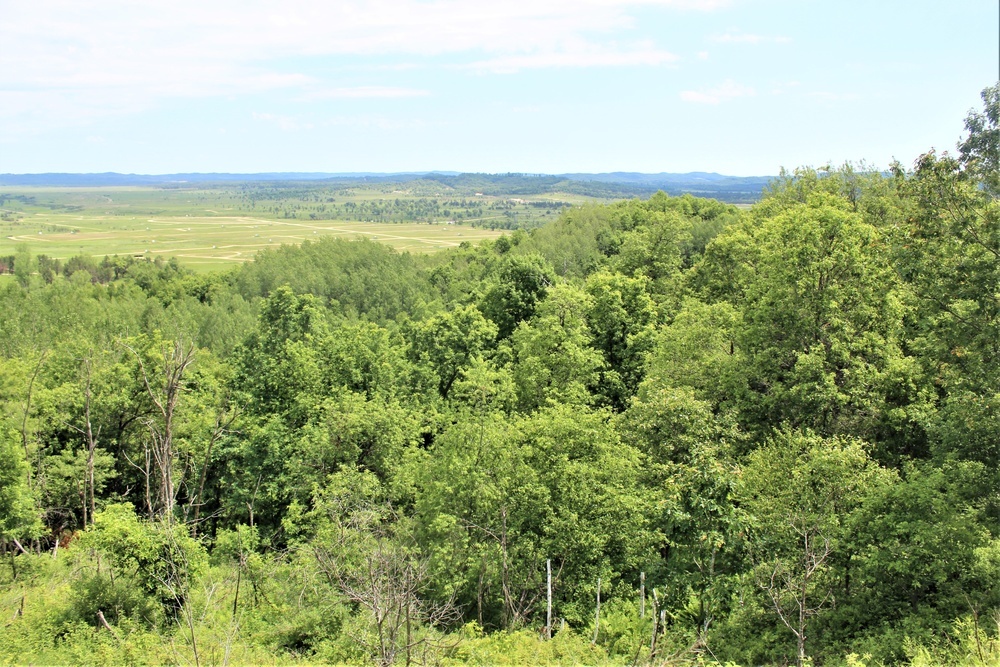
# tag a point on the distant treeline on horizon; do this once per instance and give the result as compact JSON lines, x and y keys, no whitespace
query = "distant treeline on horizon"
{"x":735,"y":189}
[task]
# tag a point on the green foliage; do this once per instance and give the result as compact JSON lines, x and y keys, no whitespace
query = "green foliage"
{"x":116,"y":599}
{"x":19,"y":517}
{"x":553,"y":360}
{"x":621,"y":320}
{"x":572,"y":244}
{"x":801,"y":493}
{"x":821,"y":315}
{"x":698,"y":350}
{"x":521,"y":282}
{"x":525,"y":647}
{"x":446,"y":344}
{"x":501,"y":496}
{"x":361,"y":277}
{"x":898,"y":540}
{"x":25,"y":265}
{"x":652,"y":243}
{"x":160,"y":558}
{"x":691,"y":473}
{"x":784,"y":421}
{"x":980,"y":151}
{"x":279,"y":366}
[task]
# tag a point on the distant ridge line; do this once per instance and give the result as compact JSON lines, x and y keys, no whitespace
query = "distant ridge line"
{"x":116,"y":178}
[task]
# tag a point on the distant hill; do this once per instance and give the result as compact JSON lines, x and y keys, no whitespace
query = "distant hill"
{"x":612,"y":185}
{"x":114,"y":178}
{"x":662,"y":177}
{"x":707,"y":184}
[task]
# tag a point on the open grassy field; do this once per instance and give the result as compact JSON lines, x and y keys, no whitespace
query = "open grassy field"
{"x":209,"y":243}
{"x":212,"y":229}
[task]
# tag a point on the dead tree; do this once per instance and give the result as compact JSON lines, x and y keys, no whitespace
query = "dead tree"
{"x":165,"y":389}
{"x":520,"y":593}
{"x":91,"y":442}
{"x":27,"y":411}
{"x":87,"y":501}
{"x":380,"y":568}
{"x":791,"y":584}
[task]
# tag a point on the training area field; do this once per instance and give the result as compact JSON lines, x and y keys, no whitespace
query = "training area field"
{"x":206,"y":231}
{"x":212,"y":242}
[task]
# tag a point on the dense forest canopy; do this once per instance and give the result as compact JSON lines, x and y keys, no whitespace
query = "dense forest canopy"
{"x":653,"y":431}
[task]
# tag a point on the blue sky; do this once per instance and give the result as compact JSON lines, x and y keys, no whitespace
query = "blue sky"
{"x":740,"y":87}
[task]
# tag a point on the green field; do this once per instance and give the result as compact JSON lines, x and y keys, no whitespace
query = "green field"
{"x":209,"y":229}
{"x":211,"y":242}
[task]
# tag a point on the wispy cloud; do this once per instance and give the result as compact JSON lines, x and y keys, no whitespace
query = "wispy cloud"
{"x":376,"y":122}
{"x":728,"y":90}
{"x":123,"y":43}
{"x":74,"y":60}
{"x":587,"y":56}
{"x":828,"y":96}
{"x":739,"y":37}
{"x":286,"y":123}
{"x":364,"y":92}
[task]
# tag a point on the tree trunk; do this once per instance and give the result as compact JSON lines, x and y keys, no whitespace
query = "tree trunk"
{"x":91,"y":447}
{"x":548,"y":609}
{"x":597,"y":614}
{"x":176,"y":360}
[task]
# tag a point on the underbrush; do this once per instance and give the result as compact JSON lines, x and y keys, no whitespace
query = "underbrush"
{"x":245,"y":608}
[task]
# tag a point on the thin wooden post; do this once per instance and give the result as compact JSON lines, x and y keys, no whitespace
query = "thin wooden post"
{"x":597,"y":615}
{"x":548,"y":613}
{"x":642,"y":595}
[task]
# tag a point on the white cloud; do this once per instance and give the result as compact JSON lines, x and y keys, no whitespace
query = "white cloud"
{"x":124,"y":43}
{"x":363,"y":92}
{"x":738,"y":37}
{"x":72,"y":61}
{"x":286,"y":123}
{"x":726,"y":91}
{"x":375,"y":122}
{"x":578,"y":56}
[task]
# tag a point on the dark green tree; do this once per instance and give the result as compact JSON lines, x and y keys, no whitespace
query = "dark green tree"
{"x":521,"y":283}
{"x":621,"y":322}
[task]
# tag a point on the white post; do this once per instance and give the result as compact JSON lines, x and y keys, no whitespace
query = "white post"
{"x":642,"y":595}
{"x":597,"y":615}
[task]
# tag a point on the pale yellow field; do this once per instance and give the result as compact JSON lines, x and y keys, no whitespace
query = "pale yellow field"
{"x":211,"y":242}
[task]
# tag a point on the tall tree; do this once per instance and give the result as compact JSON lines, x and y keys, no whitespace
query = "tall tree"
{"x":521,"y":283}
{"x":447,"y":343}
{"x":980,"y":151}
{"x":621,"y":322}
{"x":554,"y":362}
{"x":821,"y":316}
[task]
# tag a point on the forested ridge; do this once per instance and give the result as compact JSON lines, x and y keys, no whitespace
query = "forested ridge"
{"x":702,"y":434}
